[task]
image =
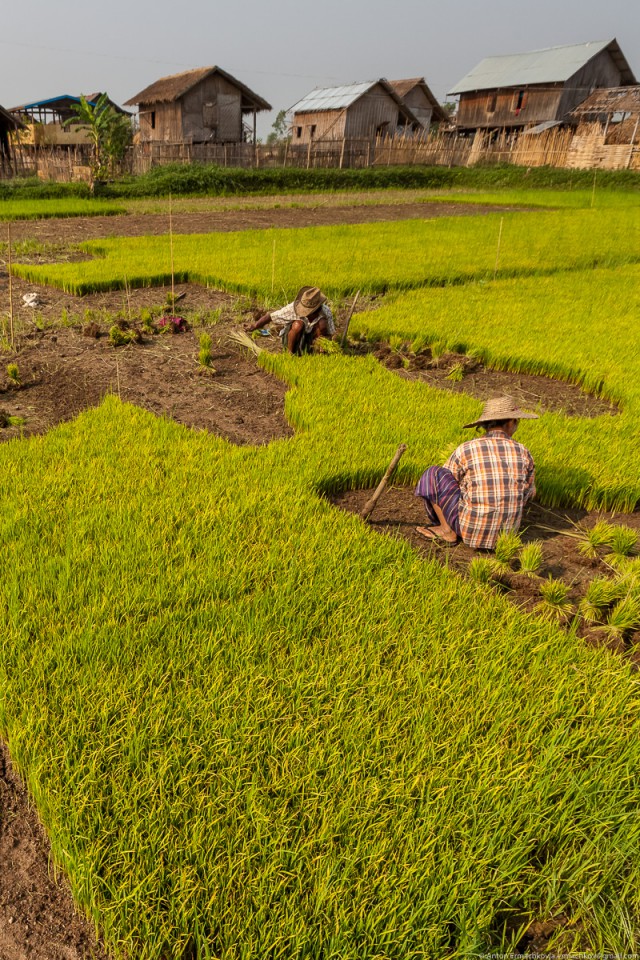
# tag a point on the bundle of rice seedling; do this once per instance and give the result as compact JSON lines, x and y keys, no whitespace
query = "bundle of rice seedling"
{"x":531,"y":558}
{"x":555,"y":599}
{"x":600,"y":594}
{"x":242,"y":339}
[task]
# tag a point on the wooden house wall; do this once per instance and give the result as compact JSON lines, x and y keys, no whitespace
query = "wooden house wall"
{"x":323,"y":125}
{"x":420,"y":106}
{"x":211,"y":112}
{"x":499,"y":108}
{"x":553,"y":101}
{"x":374,"y":113}
{"x":168,"y":122}
{"x":601,"y":71}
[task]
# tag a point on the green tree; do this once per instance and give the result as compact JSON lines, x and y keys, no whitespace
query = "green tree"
{"x":279,"y":128}
{"x":110,"y":133}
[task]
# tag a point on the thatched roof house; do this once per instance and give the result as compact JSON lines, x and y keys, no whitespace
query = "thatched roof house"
{"x":355,"y":111}
{"x":541,"y":87}
{"x":418,"y":97}
{"x":205,"y":105}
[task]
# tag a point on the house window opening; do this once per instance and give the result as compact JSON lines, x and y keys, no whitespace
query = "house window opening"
{"x":491,"y":106}
{"x":298,"y":132}
{"x":521,"y":99}
{"x":153,"y":119}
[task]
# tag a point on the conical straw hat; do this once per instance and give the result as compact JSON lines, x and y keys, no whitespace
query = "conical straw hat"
{"x":501,"y":408}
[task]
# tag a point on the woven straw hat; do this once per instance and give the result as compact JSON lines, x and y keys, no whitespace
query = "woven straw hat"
{"x":307,"y":301}
{"x":501,"y":408}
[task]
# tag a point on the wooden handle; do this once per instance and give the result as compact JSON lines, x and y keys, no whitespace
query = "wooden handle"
{"x":346,"y":326}
{"x":367,"y":510}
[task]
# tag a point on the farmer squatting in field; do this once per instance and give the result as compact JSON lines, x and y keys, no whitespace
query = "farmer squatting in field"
{"x":484,"y":485}
{"x":301,"y":322}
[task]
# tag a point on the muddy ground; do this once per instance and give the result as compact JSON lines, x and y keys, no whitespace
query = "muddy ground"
{"x":37,"y":918}
{"x":79,"y":229}
{"x":399,"y":512}
{"x":63,"y":371}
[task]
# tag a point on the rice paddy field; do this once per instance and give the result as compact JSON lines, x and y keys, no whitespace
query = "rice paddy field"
{"x":43,"y":209}
{"x":255,"y":728}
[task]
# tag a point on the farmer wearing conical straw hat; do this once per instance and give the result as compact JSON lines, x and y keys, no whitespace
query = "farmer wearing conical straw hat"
{"x":301,"y":322}
{"x":484,"y":485}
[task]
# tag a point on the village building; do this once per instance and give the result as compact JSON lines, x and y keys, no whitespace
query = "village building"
{"x":45,"y":123}
{"x":540,"y":88}
{"x":417,"y":96}
{"x":206,"y":105}
{"x":355,"y":111}
{"x":8,"y":124}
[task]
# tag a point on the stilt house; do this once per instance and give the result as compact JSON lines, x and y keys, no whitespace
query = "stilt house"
{"x":355,"y":111}
{"x":44,"y":122}
{"x":538,"y":88}
{"x":417,"y":96}
{"x":206,"y":105}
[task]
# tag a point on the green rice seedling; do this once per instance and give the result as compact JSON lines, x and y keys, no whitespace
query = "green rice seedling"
{"x":555,"y":599}
{"x":240,"y":338}
{"x":396,"y":343}
{"x":599,"y":595}
{"x":456,"y":373}
{"x":438,"y":349}
{"x":204,"y":354}
{"x":624,"y":617}
{"x":531,"y":558}
{"x":278,"y":730}
{"x":624,"y":540}
{"x":119,"y":336}
{"x":13,"y":373}
{"x":10,"y":420}
{"x":146,"y":321}
{"x":594,"y":538}
{"x":482,"y":570}
{"x":419,"y":344}
{"x":508,"y":544}
{"x":326,"y":345}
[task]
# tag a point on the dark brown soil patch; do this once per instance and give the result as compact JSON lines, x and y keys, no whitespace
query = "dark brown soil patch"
{"x":531,"y":391}
{"x":37,"y":917}
{"x":65,"y":369}
{"x":79,"y":229}
{"x":398,"y":512}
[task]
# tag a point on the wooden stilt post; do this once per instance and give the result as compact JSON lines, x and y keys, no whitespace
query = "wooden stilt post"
{"x":633,"y":140}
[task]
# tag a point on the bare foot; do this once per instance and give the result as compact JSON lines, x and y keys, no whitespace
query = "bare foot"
{"x":438,"y":533}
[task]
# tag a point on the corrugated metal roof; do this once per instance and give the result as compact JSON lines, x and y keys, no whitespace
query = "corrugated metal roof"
{"x":332,"y":98}
{"x":552,"y":65}
{"x":541,"y":127}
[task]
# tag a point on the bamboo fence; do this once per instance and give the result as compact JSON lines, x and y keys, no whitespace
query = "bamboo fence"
{"x":590,"y":146}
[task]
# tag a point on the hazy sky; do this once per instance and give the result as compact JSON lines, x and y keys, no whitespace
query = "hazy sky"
{"x":280,"y":48}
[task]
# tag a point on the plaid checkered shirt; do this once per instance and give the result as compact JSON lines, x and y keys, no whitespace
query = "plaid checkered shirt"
{"x":497,"y":477}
